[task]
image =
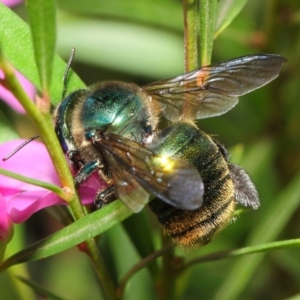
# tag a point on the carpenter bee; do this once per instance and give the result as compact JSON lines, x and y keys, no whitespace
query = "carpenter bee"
{"x":115,"y":129}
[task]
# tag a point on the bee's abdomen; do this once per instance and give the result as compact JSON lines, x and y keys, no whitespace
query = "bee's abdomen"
{"x":198,"y":226}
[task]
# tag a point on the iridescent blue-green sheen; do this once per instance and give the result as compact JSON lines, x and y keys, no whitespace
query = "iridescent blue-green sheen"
{"x":116,"y":108}
{"x":64,"y":118}
{"x":197,"y":226}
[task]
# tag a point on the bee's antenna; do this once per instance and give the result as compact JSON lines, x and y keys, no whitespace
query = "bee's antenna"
{"x":65,"y":78}
{"x":20,"y":147}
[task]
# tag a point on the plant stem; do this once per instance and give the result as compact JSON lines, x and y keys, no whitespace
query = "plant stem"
{"x":208,"y":12}
{"x":166,"y":281}
{"x":190,"y":11}
{"x":43,"y":121}
{"x":139,"y":266}
{"x":51,"y":187}
{"x":286,"y":244}
{"x":104,"y":277}
{"x":190,"y":16}
{"x":44,"y":124}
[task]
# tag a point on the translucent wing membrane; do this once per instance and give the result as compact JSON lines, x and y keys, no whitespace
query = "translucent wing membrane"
{"x":214,"y":89}
{"x":138,"y":173}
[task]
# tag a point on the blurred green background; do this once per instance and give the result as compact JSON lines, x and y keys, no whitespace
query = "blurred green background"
{"x":142,"y":41}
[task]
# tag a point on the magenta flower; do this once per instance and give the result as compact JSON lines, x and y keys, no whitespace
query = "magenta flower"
{"x":9,"y":98}
{"x":19,"y":200}
{"x":11,"y":3}
{"x":5,"y":221}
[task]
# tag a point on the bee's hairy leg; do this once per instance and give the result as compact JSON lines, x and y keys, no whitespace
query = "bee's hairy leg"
{"x":105,"y":197}
{"x":86,"y":171}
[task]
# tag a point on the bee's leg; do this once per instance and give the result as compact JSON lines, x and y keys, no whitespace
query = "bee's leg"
{"x":86,"y":171}
{"x":75,"y":157}
{"x":244,"y":189}
{"x":105,"y":197}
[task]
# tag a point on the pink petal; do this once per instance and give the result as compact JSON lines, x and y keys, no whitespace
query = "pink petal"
{"x":10,"y":99}
{"x":5,"y":220}
{"x":23,"y":205}
{"x":87,"y":194}
{"x":11,"y":3}
{"x":88,"y":189}
{"x":32,"y":161}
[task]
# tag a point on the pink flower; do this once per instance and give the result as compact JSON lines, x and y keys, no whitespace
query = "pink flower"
{"x":5,"y":221}
{"x":11,"y":3}
{"x":19,"y":200}
{"x":9,"y":98}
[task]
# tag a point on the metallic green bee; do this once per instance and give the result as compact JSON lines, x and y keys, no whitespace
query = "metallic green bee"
{"x":114,"y":128}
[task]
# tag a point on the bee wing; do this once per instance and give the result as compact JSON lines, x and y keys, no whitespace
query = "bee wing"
{"x":128,"y":190}
{"x":138,"y":172}
{"x":214,"y":89}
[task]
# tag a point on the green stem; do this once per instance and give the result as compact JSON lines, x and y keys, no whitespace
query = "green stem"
{"x":190,"y":16}
{"x":166,"y":281}
{"x":208,"y":12}
{"x":139,"y":266}
{"x":44,"y":124}
{"x":294,"y":243}
{"x":103,"y":275}
{"x":51,"y":187}
{"x":268,"y":21}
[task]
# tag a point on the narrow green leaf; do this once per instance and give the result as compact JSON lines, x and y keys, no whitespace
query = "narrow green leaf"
{"x":42,"y":25}
{"x":208,"y":12}
{"x":16,"y":44}
{"x":40,"y":290}
{"x":72,"y":235}
{"x":153,"y":12}
{"x":227,"y":11}
{"x":51,"y":187}
{"x":44,"y":124}
{"x":105,"y":47}
{"x":284,"y":206}
{"x":286,"y":244}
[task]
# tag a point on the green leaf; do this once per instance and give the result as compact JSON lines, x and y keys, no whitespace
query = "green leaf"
{"x":121,"y":46}
{"x":227,"y":11}
{"x":72,"y":235}
{"x":42,"y":24}
{"x":151,"y":12}
{"x":282,"y":209}
{"x":16,"y":44}
{"x":208,"y":12}
{"x":286,"y":244}
{"x":40,"y":290}
{"x":51,"y":187}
